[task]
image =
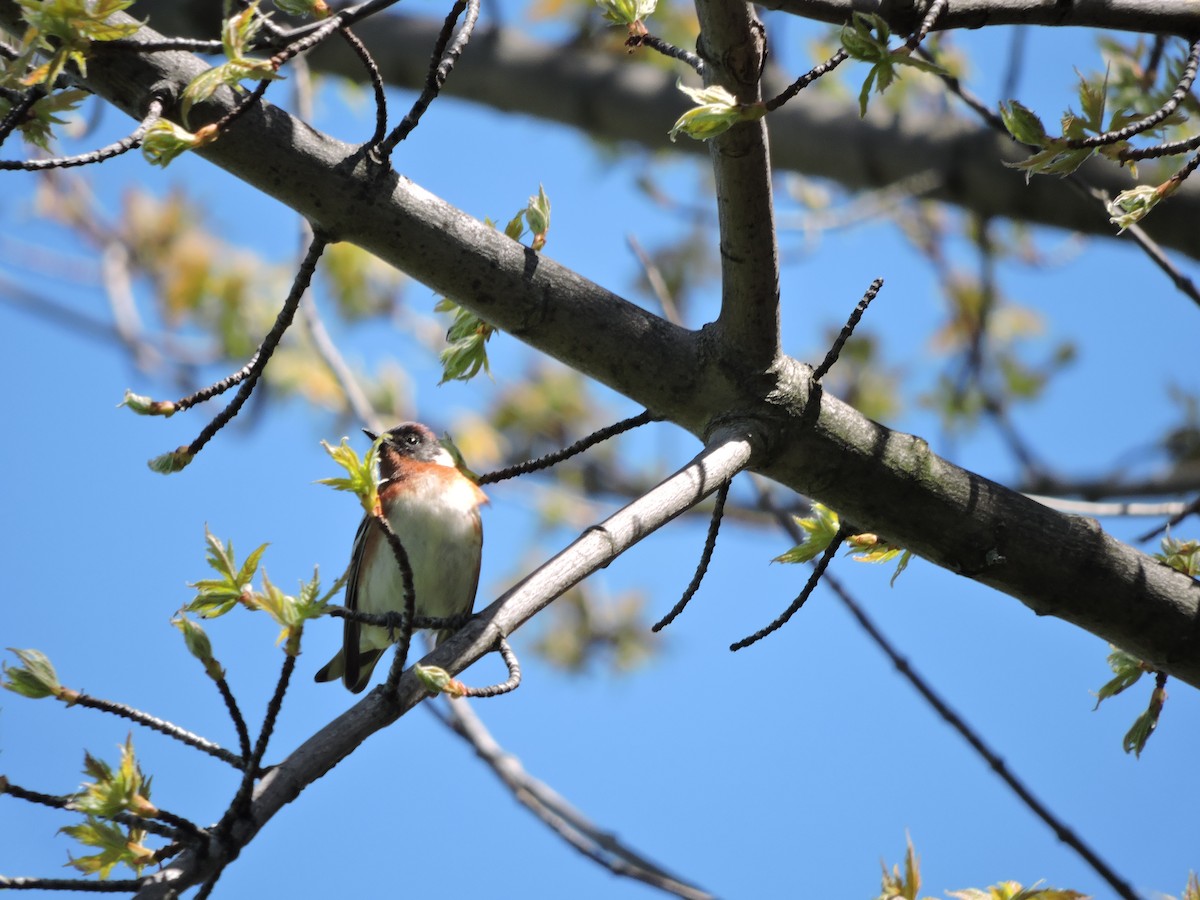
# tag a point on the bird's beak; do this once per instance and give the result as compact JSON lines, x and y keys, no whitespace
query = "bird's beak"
{"x":372,"y":435}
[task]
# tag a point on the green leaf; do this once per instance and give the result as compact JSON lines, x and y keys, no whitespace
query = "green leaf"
{"x":1182,"y":556}
{"x":465,"y":353}
{"x":35,"y":678}
{"x":217,"y":596}
{"x":175,"y":461}
{"x":199,"y":646}
{"x":110,"y":792}
{"x":626,"y":12}
{"x":1127,"y":668}
{"x":144,"y":406}
{"x":715,"y":112}
{"x":1023,"y":124}
{"x":360,"y":473}
{"x":118,"y":845}
{"x":164,"y":141}
{"x":437,"y":680}
{"x":1144,"y":725}
{"x":820,"y":529}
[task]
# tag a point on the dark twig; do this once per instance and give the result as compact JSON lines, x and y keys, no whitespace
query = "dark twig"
{"x":848,"y":329}
{"x":441,"y":63}
{"x":666,"y":49}
{"x":936,"y":8}
{"x":1135,"y":232}
{"x":511,"y":684}
{"x":235,"y":713}
{"x":124,"y":145}
{"x":119,"y":886}
{"x":810,"y":585}
{"x":1190,"y":508}
{"x":169,"y":825}
{"x":948,"y":715}
{"x":243,"y":106}
{"x":394,"y":621}
{"x":1061,"y":830}
{"x":1134,"y":128}
{"x":361,"y":51}
{"x":160,"y":725}
{"x":249,"y":374}
{"x":240,"y":805}
{"x":710,"y":544}
{"x":550,"y":459}
{"x":404,"y":642}
{"x":20,"y":109}
{"x":1173,"y":148}
{"x":806,"y":79}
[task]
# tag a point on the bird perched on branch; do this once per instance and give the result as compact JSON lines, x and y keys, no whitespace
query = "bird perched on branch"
{"x":434,"y":509}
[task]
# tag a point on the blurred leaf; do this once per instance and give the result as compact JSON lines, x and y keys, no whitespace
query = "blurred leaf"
{"x":1182,"y":556}
{"x":819,"y":529}
{"x":1127,"y":669}
{"x":35,"y":678}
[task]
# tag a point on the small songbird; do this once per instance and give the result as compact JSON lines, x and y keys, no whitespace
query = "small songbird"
{"x":434,"y":510}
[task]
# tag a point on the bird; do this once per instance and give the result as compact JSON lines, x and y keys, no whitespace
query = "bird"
{"x":434,"y":510}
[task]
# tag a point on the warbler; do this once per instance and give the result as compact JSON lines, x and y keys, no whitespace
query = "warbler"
{"x":434,"y":510}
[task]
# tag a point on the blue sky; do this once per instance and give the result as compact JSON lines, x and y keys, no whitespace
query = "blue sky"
{"x":789,"y":769}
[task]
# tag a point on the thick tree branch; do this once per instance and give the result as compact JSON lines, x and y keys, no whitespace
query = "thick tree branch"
{"x":728,"y":453}
{"x":614,"y":97}
{"x":880,"y":479}
{"x":733,"y":46}
{"x":1147,"y":16}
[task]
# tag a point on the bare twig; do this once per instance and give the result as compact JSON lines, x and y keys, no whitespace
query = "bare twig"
{"x":710,"y":543}
{"x":596,"y":843}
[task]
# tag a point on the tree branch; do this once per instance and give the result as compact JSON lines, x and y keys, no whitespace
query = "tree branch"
{"x":1145,"y":16}
{"x":614,"y":97}
{"x":883,"y":480}
{"x":733,"y":44}
{"x":729,"y":451}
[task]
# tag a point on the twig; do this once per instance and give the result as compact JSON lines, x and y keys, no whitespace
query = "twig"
{"x":1175,"y":519}
{"x":806,"y":79}
{"x":160,"y":725}
{"x":550,"y":459}
{"x":666,"y":49}
{"x":848,"y":329}
{"x":510,"y":684}
{"x":596,"y":843}
{"x":410,"y":599}
{"x":710,"y":543}
{"x":1145,"y":124}
{"x":441,"y":63}
{"x":948,"y":715}
{"x":810,"y":585}
{"x":124,"y":145}
{"x":364,"y":55}
{"x":1135,"y":232}
{"x":249,"y":374}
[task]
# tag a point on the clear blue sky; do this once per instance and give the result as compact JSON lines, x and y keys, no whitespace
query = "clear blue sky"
{"x":789,"y":769}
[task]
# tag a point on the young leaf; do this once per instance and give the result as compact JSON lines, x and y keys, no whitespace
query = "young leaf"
{"x":1144,"y":724}
{"x":217,"y":596}
{"x":1127,"y":669}
{"x":360,"y":472}
{"x":819,"y":528}
{"x":35,"y":678}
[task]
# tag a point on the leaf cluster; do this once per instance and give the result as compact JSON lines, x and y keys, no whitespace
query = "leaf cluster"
{"x":111,"y":792}
{"x":866,"y":39}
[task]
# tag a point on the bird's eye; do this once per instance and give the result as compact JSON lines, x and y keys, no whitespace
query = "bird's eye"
{"x":412,"y":440}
